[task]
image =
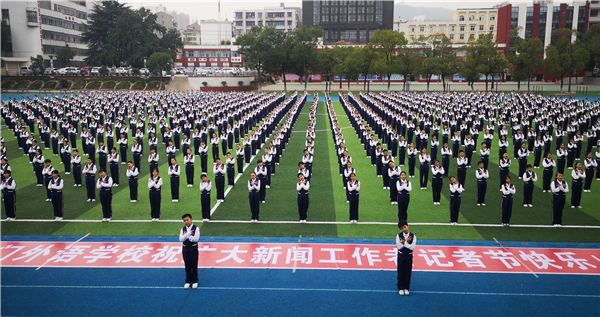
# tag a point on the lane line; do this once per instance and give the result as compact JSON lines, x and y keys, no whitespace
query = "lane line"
{"x":67,"y":248}
{"x":278,"y":289}
{"x":516,"y":258}
{"x":324,"y":223}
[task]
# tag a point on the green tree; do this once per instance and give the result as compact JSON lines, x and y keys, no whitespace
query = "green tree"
{"x":304,"y":56}
{"x":352,"y":64}
{"x":65,"y":56}
{"x":277,"y":59}
{"x":362,"y":57}
{"x":159,"y":62}
{"x":566,"y":56}
{"x":410,"y":61}
{"x":328,"y":59}
{"x":37,"y":64}
{"x":254,"y":46}
{"x":526,"y":58}
{"x":101,"y":22}
{"x":482,"y":57}
{"x":385,"y":43}
{"x":591,"y":41}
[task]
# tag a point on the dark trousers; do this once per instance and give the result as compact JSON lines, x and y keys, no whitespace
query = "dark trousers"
{"x":57,"y":204}
{"x":114,"y":172}
{"x":215,"y":152}
{"x":527,"y":193}
{"x":393,"y":188}
{"x":506,"y":210}
{"x":240,"y":164}
{"x":254,"y":199}
{"x":136,"y":161}
{"x":90,"y":186}
{"x":303,"y":206}
{"x":558,"y":204}
{"x":77,"y":174}
{"x":190,"y":258}
{"x":154,"y":166}
{"x":106,"y":201}
{"x":123,"y":154}
{"x":454,"y":208}
{"x":353,"y":199}
{"x":461,"y":175}
{"x":66,"y":159}
{"x":102,"y":161}
{"x":436,"y":184}
{"x":9,"y":205}
{"x":189,"y":173}
{"x":262,"y":188}
{"x":155,"y":203}
{"x":205,"y":204}
{"x":38,"y":173}
{"x":547,"y":179}
{"x":423,"y":174}
{"x":481,"y":189}
{"x":220,"y":184}
{"x":204,"y":162}
{"x":133,"y":188}
{"x":589,"y":176}
{"x":175,"y":187}
{"x":47,"y":180}
{"x":576,"y":188}
{"x":230,"y":176}
{"x":403,"y":201}
{"x":404,"y":270}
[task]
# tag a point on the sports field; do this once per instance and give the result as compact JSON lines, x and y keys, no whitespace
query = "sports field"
{"x":145,"y":288}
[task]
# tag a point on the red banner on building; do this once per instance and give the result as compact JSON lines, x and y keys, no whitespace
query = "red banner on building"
{"x":301,"y":256}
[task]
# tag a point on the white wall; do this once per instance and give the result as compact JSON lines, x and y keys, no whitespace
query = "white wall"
{"x":26,"y":40}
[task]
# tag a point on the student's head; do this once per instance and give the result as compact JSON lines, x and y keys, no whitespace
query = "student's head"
{"x":461,"y":153}
{"x":452,"y":179}
{"x":578,"y":165}
{"x":55,"y":174}
{"x":113,"y":150}
{"x":352,"y":176}
{"x":549,"y":155}
{"x":559,"y":177}
{"x":529,"y":167}
{"x":505,"y":155}
{"x":130,"y":164}
{"x":588,"y":155}
{"x":203,"y":177}
{"x":507,"y":179}
{"x":155,"y":172}
{"x":252,"y":175}
{"x":403,"y":175}
{"x":259,"y":162}
{"x":102,"y":173}
{"x":349,"y":164}
{"x":300,"y":176}
{"x":187,"y":219}
{"x":90,"y":161}
{"x":228,"y":154}
{"x":403,"y":225}
{"x":523,"y":145}
{"x":480,"y":164}
{"x":7,"y":174}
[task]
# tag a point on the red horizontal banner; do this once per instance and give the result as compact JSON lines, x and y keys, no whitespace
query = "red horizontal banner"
{"x":300,"y":256}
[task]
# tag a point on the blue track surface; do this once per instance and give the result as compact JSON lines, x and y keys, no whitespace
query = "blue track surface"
{"x":282,"y":292}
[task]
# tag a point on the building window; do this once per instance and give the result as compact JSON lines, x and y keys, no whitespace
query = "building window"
{"x":250,"y":23}
{"x":289,"y":14}
{"x":412,"y":29}
{"x":260,"y":15}
{"x":32,"y":17}
{"x":412,"y":38}
{"x":471,"y":18}
{"x":249,"y":15}
{"x":238,"y":14}
{"x":442,"y":28}
{"x":472,"y":28}
{"x":482,"y":18}
{"x":421,"y":29}
{"x":491,"y":28}
{"x":492,"y":18}
{"x":594,"y":13}
{"x":481,"y":27}
{"x":480,"y":36}
{"x":471,"y":36}
{"x":452,"y":28}
{"x":461,"y":18}
{"x":289,"y":22}
{"x":461,"y":36}
{"x":238,"y":23}
{"x":462,"y":28}
{"x":452,"y":36}
{"x":431,"y":29}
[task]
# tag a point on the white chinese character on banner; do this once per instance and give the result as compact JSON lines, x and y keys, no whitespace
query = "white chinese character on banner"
{"x":67,"y":255}
{"x":469,"y":258}
{"x":264,"y":255}
{"x":35,"y":252}
{"x":332,"y":258}
{"x":103,"y":252}
{"x":166,"y":254}
{"x":16,"y":248}
{"x":507,"y":258}
{"x":541,"y":261}
{"x":392,"y":255}
{"x":302,"y":254}
{"x":372,"y":256}
{"x":435,"y":258}
{"x":133,"y":254}
{"x":568,"y":257}
{"x":232,"y":255}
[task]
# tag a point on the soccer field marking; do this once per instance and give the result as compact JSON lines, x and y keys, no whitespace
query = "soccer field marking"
{"x":323,"y":223}
{"x":67,"y":248}
{"x":292,"y":289}
{"x":326,"y":130}
{"x":516,"y":258}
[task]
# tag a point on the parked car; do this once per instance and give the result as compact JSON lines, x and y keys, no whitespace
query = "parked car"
{"x":62,"y":71}
{"x":95,"y":71}
{"x":178,"y":71}
{"x":122,"y":71}
{"x":230,"y":71}
{"x":73,"y":71}
{"x":85,"y":71}
{"x":26,"y":71}
{"x":144,"y":71}
{"x":50,"y":71}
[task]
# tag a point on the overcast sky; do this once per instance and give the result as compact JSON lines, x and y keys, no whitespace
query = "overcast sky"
{"x":208,"y":9}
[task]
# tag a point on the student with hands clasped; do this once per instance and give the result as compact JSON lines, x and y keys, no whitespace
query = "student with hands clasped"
{"x":189,"y":236}
{"x":406,"y":242}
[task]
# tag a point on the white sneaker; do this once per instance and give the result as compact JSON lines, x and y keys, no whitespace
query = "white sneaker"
{"x":530,"y":206}
{"x":401,"y":292}
{"x":267,"y":186}
{"x":88,"y":200}
{"x":79,"y":185}
{"x":108,"y":219}
{"x":186,"y":286}
{"x":67,"y":173}
{"x":93,"y":200}
{"x":263,"y":201}
{"x":134,"y":201}
{"x":478,"y":204}
{"x":103,"y":219}
{"x":195,"y":286}
{"x":406,"y":292}
{"x":525,"y":205}
{"x":75,"y":185}
{"x":481,"y":204}
{"x":579,"y":207}
{"x":59,"y":218}
{"x":572,"y":207}
{"x":556,"y":225}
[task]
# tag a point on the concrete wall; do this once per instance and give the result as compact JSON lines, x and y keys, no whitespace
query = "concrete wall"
{"x":196,"y":82}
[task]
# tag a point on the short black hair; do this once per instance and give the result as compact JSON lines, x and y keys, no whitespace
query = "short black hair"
{"x":186,"y":215}
{"x":402,"y":223}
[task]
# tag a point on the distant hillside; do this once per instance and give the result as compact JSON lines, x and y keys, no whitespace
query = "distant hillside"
{"x":407,"y":12}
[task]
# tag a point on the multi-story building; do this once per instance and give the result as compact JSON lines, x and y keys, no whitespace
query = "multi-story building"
{"x":163,"y":17}
{"x":463,"y":25}
{"x":181,"y":19}
{"x":191,"y":34}
{"x":213,"y":32}
{"x":43,"y":28}
{"x":594,"y":12}
{"x":284,"y":19}
{"x":350,"y":21}
{"x":209,"y":56}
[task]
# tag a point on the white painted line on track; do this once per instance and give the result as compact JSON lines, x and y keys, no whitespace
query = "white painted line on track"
{"x":67,"y":248}
{"x":517,"y":258}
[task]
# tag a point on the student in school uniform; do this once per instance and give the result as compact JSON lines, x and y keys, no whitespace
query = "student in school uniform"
{"x":47,"y":173}
{"x":405,"y":242}
{"x":219,"y":170}
{"x":105,"y":184}
{"x":132,"y":174}
{"x":469,"y":149}
{"x":230,"y":163}
{"x":462,"y":163}
{"x":561,"y":155}
{"x":393,"y":175}
{"x":523,"y":154}
{"x":153,"y":158}
{"x":205,"y":188}
{"x":38,"y":167}
{"x":102,"y":155}
{"x":482,"y":175}
{"x":404,"y":188}
{"x":590,"y":167}
{"x":559,"y":190}
{"x":76,"y":161}
{"x":353,"y":187}
{"x":302,"y":187}
{"x":239,"y":152}
{"x":214,"y":141}
{"x":136,"y":149}
{"x":508,"y":190}
{"x":8,"y":186}
{"x":90,"y":179}
{"x":261,"y":174}
{"x":386,"y":159}
{"x":446,"y":153}
{"x":247,"y":149}
{"x":113,"y":162}
{"x":578,"y":176}
{"x":548,"y":164}
{"x":437,"y":172}
{"x":189,"y":236}
{"x":456,"y":190}
{"x":56,"y":186}
{"x":188,"y":160}
{"x":412,"y":159}
{"x":484,"y":153}
{"x":598,"y":163}
{"x":254,"y":188}
{"x":425,"y":161}
{"x":65,"y":155}
{"x":154,"y":186}
{"x":539,"y":148}
{"x":203,"y":157}
{"x":174,"y":171}
{"x":123,"y":148}
{"x":529,"y":178}
{"x":504,"y":168}
{"x":171,"y":152}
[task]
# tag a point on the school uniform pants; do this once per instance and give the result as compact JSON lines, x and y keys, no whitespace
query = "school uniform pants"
{"x":547,"y":179}
{"x":136,"y":161}
{"x":57,"y":204}
{"x":302,"y":206}
{"x":189,"y":173}
{"x":576,"y":188}
{"x":114,"y":172}
{"x":558,"y":204}
{"x":393,"y":189}
{"x":66,"y":159}
{"x":133,"y":188}
{"x":446,"y":164}
{"x":403,"y":201}
{"x":353,"y":199}
{"x":102,"y":161}
{"x":90,"y":185}
{"x":106,"y":201}
{"x":589,"y":176}
{"x":560,"y":166}
{"x":262,"y":187}
{"x":411,"y":166}
{"x":205,"y":204}
{"x":436,"y":186}
{"x":190,"y":258}
{"x":461,"y":175}
{"x":123,"y":154}
{"x":528,"y":193}
{"x":254,"y":200}
{"x":240,"y":164}
{"x":454,"y":208}
{"x":9,"y":204}
{"x":204,"y":163}
{"x":175,"y":187}
{"x":506,"y":205}
{"x":77,"y":174}
{"x":155,"y":198}
{"x":404,"y":271}
{"x":220,"y":184}
{"x":47,"y":180}
{"x":230,"y":176}
{"x":423,"y":174}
